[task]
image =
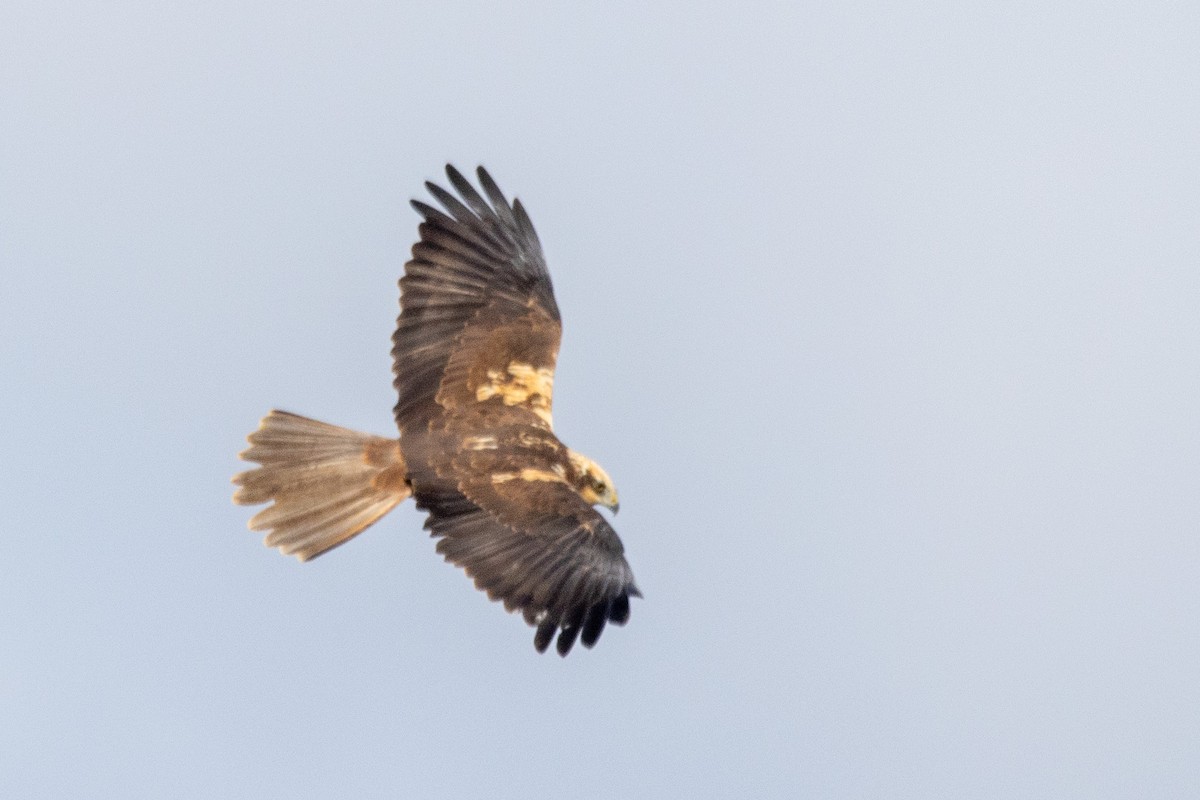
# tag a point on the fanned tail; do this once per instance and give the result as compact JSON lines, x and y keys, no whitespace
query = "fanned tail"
{"x":328,"y":483}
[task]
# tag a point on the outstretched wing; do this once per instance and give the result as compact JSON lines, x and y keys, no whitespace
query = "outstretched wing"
{"x":478,"y":321}
{"x":539,"y":548}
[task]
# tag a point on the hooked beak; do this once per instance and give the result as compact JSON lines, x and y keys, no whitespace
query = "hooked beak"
{"x":615,"y":507}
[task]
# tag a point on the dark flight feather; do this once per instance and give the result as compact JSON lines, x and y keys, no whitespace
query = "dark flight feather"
{"x":555,"y":558}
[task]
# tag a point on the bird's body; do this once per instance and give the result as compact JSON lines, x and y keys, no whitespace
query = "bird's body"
{"x":474,"y":356}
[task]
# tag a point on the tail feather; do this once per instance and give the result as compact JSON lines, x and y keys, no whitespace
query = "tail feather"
{"x":328,"y":483}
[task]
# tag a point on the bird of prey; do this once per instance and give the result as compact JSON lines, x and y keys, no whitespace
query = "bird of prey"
{"x":473,"y":354}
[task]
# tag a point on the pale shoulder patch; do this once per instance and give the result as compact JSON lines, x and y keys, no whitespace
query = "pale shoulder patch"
{"x":521,"y":384}
{"x":555,"y":474}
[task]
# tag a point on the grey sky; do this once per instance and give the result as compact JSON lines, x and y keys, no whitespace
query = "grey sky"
{"x":882,"y":317}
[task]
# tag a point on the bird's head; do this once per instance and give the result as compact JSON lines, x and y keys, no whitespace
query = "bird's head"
{"x":593,"y":483}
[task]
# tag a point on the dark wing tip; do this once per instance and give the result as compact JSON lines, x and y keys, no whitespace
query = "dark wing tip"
{"x":566,"y":639}
{"x":619,"y":613}
{"x":469,"y":194}
{"x":525,"y":223}
{"x":593,"y":626}
{"x":490,"y":188}
{"x":585,"y":627}
{"x":545,"y":633}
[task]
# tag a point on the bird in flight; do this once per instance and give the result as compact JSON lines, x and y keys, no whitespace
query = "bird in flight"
{"x":473,"y":354}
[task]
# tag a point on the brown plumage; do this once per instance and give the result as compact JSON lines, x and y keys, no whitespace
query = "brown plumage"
{"x":474,"y":354}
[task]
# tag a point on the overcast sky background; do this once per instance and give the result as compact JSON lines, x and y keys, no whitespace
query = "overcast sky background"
{"x":882,"y":316}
